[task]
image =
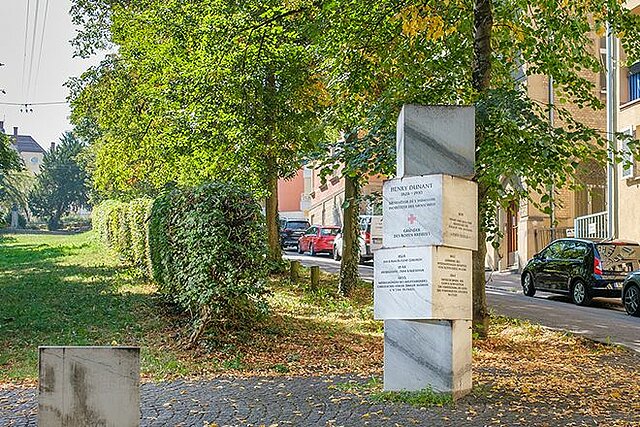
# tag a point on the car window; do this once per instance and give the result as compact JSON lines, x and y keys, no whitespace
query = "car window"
{"x":297,"y":225}
{"x":329,"y":231}
{"x":574,"y":250}
{"x":364,"y":223}
{"x":311,"y":231}
{"x":554,"y":250}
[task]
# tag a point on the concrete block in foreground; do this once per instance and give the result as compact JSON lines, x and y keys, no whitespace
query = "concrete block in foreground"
{"x":89,"y":386}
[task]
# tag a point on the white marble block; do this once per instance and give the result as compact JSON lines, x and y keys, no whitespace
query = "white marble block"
{"x":430,"y":210}
{"x":89,"y":386}
{"x":436,"y":139}
{"x":428,"y":282}
{"x":421,"y":354}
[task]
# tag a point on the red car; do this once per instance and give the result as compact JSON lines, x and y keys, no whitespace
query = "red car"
{"x":318,"y":238}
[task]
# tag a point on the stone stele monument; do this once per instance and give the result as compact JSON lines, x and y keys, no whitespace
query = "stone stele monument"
{"x":422,"y":275}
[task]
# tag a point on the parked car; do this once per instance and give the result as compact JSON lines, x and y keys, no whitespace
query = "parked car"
{"x":337,"y":247}
{"x":582,"y":269}
{"x":291,"y":230}
{"x":631,"y":294}
{"x":370,"y":238}
{"x":317,"y":239}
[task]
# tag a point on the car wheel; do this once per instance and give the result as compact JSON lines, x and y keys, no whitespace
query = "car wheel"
{"x":580,"y":293}
{"x":312,"y":250}
{"x":336,"y":255}
{"x":300,"y":251}
{"x":631,"y":300}
{"x":528,"y":287}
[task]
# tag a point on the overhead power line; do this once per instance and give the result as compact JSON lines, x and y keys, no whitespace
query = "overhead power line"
{"x":24,"y":51}
{"x":33,"y":47}
{"x":44,"y":28}
{"x":30,"y":104}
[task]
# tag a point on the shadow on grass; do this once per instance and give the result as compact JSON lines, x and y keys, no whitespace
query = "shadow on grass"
{"x":49,"y":299}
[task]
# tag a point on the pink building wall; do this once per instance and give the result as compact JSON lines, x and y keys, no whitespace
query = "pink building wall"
{"x":290,"y":193}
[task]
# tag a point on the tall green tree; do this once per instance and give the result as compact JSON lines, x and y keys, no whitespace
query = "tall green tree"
{"x":9,"y":159}
{"x":200,"y":91}
{"x":13,"y":182}
{"x":62,"y":182}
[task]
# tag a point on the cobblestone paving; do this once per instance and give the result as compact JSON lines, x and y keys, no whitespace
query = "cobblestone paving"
{"x":309,"y":401}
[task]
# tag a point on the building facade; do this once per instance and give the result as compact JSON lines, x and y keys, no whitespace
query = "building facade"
{"x":327,"y":197}
{"x":29,"y":150}
{"x":585,"y":212}
{"x":525,"y":229}
{"x":627,"y":180}
{"x":292,"y":202}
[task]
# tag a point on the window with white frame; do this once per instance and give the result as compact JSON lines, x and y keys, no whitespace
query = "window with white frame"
{"x":627,"y":156}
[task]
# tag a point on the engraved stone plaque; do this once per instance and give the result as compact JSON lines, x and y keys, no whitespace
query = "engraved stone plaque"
{"x":432,"y":282}
{"x":430,"y":210}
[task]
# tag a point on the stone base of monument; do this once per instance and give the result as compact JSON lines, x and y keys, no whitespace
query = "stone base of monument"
{"x":89,"y":386}
{"x":435,"y":354}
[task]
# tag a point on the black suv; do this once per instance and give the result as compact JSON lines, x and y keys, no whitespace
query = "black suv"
{"x":291,"y":230}
{"x":581,"y":268}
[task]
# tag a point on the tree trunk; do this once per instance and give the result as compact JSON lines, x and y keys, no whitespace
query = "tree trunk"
{"x":273,"y":224}
{"x":54,"y":221}
{"x":483,"y":25}
{"x":481,"y":80}
{"x":271,"y":208}
{"x":480,"y":311}
{"x":350,"y":238}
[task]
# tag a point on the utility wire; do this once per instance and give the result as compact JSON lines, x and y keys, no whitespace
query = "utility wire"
{"x":24,"y":51}
{"x":24,"y":104}
{"x":44,"y":27}
{"x":33,"y":47}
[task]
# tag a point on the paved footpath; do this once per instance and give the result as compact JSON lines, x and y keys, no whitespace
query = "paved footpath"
{"x":309,"y":401}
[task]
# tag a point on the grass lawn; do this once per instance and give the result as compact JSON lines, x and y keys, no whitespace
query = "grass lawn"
{"x":68,"y":290}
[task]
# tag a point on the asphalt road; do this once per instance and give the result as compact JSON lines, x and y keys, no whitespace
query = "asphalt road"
{"x":604,"y":321}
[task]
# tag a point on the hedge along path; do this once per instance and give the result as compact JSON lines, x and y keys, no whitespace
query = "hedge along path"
{"x":204,"y":247}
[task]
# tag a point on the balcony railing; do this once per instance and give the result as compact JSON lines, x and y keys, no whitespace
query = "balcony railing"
{"x":592,"y":227}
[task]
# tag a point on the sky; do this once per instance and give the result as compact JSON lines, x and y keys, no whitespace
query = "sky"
{"x":56,"y":64}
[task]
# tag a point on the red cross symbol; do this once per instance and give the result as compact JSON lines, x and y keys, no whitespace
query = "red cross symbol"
{"x":412,"y":218}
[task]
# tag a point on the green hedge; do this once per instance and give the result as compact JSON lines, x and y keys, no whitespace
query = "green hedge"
{"x":138,"y":214}
{"x":100,"y":220}
{"x":204,"y":247}
{"x":124,"y":228}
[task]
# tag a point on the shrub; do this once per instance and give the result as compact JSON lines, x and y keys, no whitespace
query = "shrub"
{"x":208,"y":253}
{"x":121,"y":230}
{"x":204,"y":247}
{"x":111,"y":221}
{"x":138,"y":217}
{"x":100,"y":219}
